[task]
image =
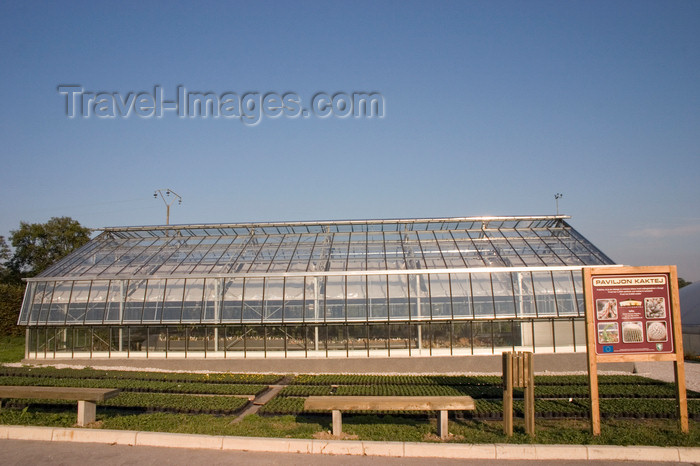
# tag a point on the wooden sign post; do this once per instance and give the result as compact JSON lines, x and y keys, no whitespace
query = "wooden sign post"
{"x":518,"y":371}
{"x":633,"y":314}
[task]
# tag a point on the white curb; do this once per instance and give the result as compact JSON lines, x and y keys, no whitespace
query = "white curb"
{"x":354,"y":447}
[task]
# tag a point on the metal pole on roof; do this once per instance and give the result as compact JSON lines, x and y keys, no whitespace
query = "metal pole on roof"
{"x":168,"y":192}
{"x":557,"y":196}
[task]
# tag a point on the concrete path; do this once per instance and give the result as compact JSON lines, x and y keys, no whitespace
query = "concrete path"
{"x":36,"y":453}
{"x":664,"y":371}
{"x":260,"y":401}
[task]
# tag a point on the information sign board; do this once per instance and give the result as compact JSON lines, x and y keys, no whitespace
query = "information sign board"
{"x":632,"y":314}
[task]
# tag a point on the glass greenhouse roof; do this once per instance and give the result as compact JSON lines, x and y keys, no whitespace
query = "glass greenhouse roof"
{"x":328,"y":248}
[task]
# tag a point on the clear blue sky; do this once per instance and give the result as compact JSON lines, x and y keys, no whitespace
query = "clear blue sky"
{"x":490,"y":109}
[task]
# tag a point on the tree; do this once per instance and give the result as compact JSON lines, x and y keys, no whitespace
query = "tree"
{"x":38,"y":245}
{"x":682,"y":283}
{"x":5,"y":255}
{"x":10,"y":304}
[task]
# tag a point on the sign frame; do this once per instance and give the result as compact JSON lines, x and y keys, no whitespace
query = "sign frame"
{"x":675,"y":356}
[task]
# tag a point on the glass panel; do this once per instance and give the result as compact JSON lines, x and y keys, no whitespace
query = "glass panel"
{"x":235,"y":339}
{"x":440,"y":296}
{"x":39,"y":297}
{"x":82,"y":340}
{"x":78,"y":302}
{"x":63,"y":340}
{"x":546,"y":305}
{"x":100,"y":338}
{"x":177,"y":339}
{"x":227,"y":255}
{"x":544,"y":341}
{"x":333,"y":339}
{"x":97,"y":302}
{"x":432,"y":257}
{"x":300,"y":260}
{"x":335,"y":298}
{"x":46,"y":302}
{"x":115,"y":301}
{"x":525,"y":300}
{"x":119,"y":338}
{"x":398,"y":297}
{"x":483,"y":302}
{"x":296,"y":338}
{"x":566,"y":299}
{"x":314,"y":300}
{"x":26,"y":303}
{"x":379,"y":339}
{"x":526,"y":334}
{"x":136,"y":293}
{"x":400,"y":339}
{"x":506,"y":335}
{"x":462,"y":338}
{"x":420,"y":299}
{"x":233,"y":299}
{"x":212,"y":301}
{"x":580,"y":334}
{"x":339,"y":253}
{"x":357,"y":298}
{"x":460,"y":286}
{"x":59,"y":302}
{"x":578,"y":286}
{"x":376,"y":259}
{"x":276,"y":338}
{"x":255,"y":339}
{"x":274,"y":288}
{"x":503,"y":294}
{"x":378,"y":309}
{"x":357,"y":255}
{"x":174,"y":299}
{"x":440,"y":339}
{"x":153,"y":307}
{"x":194,"y":294}
{"x":253,"y":300}
{"x":483,"y":338}
{"x":357,"y":338}
{"x":198,"y":339}
{"x":294,"y":299}
{"x":563,"y":336}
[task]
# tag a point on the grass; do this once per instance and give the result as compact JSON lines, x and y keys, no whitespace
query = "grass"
{"x":128,"y":414}
{"x":658,"y":432}
{"x":11,"y":348}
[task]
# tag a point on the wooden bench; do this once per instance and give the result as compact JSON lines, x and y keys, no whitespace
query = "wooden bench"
{"x":86,"y":397}
{"x":337,"y":404}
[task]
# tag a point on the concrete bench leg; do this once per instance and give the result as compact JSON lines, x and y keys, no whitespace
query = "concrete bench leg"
{"x":86,"y":412}
{"x":442,"y":424}
{"x":337,"y":423}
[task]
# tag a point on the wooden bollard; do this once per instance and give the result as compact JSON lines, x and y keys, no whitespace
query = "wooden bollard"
{"x":518,"y":372}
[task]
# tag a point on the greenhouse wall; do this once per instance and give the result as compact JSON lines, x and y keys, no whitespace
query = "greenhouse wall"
{"x":450,"y":338}
{"x":425,"y":287}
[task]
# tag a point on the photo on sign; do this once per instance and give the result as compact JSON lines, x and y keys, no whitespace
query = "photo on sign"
{"x":632,"y":332}
{"x":607,"y":309}
{"x":608,"y":332}
{"x":656,"y":331}
{"x":655,"y":308}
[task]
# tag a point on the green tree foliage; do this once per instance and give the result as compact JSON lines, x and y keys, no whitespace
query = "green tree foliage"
{"x":38,"y":245}
{"x":10,"y":302}
{"x":682,"y":282}
{"x":5,"y":255}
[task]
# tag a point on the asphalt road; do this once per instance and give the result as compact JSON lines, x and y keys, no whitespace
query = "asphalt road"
{"x":36,"y":453}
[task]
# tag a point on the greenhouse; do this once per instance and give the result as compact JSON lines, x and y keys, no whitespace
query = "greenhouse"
{"x":369,"y":288}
